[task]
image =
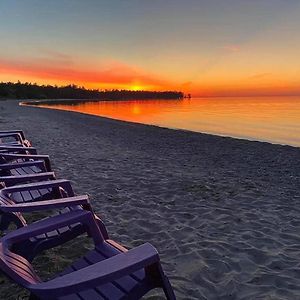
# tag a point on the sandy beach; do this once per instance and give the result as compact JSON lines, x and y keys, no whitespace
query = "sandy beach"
{"x":223,"y":213}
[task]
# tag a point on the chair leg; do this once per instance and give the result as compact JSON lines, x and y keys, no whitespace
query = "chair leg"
{"x":5,"y":221}
{"x":33,"y":297}
{"x":156,"y":272}
{"x":168,"y":290}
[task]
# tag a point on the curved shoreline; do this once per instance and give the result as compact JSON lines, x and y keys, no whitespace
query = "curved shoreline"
{"x":223,"y":212}
{"x":28,"y":103}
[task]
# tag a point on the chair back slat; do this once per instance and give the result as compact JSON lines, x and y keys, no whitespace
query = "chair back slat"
{"x":17,"y":267}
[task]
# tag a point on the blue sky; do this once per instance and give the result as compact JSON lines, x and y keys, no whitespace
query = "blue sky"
{"x":193,"y":43}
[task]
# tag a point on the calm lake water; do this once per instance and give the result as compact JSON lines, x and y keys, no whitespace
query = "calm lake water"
{"x":272,"y":119}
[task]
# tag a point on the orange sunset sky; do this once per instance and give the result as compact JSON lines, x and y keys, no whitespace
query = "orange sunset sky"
{"x":207,"y":48}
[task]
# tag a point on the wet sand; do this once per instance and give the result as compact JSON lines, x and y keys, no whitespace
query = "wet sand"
{"x":224,"y":213}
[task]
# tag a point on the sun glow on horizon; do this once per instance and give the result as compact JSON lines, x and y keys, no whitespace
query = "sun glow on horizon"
{"x":136,"y":87}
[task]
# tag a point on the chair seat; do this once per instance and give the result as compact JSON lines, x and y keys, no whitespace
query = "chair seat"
{"x":119,"y":289}
{"x":35,"y":245}
{"x":25,"y":170}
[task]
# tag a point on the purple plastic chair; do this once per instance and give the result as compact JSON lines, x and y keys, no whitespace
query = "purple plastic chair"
{"x":20,"y":164}
{"x":24,"y":172}
{"x":23,"y":164}
{"x":14,"y":137}
{"x":55,"y":195}
{"x":107,"y":272}
{"x":16,"y":149}
{"x":6,"y":181}
{"x":15,"y":169}
{"x":32,"y":194}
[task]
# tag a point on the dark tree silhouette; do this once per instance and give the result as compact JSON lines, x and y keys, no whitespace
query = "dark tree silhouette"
{"x":10,"y":90}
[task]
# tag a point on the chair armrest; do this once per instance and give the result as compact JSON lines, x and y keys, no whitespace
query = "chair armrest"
{"x":12,"y":166}
{"x":65,"y":184}
{"x":13,"y":131}
{"x":97,"y":274}
{"x":33,"y":156}
{"x":45,"y":158}
{"x":47,"y":225}
{"x":101,"y":226}
{"x":12,"y":180}
{"x":20,"y":150}
{"x":16,"y":135}
{"x":46,"y":204}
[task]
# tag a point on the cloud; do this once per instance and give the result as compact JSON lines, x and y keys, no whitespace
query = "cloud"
{"x":110,"y":73}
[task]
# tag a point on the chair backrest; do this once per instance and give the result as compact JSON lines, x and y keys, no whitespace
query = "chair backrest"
{"x":17,"y":267}
{"x":7,"y":140}
{"x":35,"y":194}
{"x":17,"y":150}
{"x":4,"y":159}
{"x":38,"y":194}
{"x":15,"y":169}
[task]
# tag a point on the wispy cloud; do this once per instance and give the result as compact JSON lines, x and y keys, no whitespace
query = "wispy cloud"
{"x":52,"y":68}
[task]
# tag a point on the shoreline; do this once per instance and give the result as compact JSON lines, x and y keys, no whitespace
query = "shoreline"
{"x":222,"y":212}
{"x":27,"y":103}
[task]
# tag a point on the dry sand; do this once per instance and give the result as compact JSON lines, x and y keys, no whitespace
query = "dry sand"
{"x":223,"y":213}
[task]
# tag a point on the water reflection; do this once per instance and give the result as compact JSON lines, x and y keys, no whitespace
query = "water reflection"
{"x":274,"y":119}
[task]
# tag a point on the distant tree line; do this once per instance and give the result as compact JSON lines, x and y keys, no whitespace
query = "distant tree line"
{"x":10,"y":90}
